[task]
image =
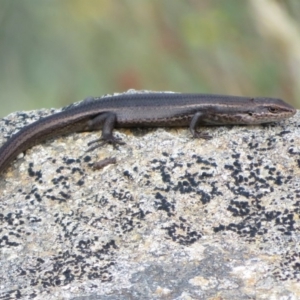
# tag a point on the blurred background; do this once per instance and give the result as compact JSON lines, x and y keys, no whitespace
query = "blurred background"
{"x":56,"y":52}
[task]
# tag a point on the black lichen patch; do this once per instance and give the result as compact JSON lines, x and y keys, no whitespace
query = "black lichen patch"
{"x":32,"y":173}
{"x":128,"y":175}
{"x":12,"y":229}
{"x":188,"y":182}
{"x":291,"y":259}
{"x":67,"y":267}
{"x":254,"y":189}
{"x":86,"y":258}
{"x":161,"y":166}
{"x":182,"y":184}
{"x":123,"y":196}
{"x":182,"y":233}
{"x":239,"y":208}
{"x":204,"y":162}
{"x":161,"y":203}
{"x":251,"y":183}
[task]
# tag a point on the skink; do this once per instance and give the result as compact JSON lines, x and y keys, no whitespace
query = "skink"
{"x":146,"y":110}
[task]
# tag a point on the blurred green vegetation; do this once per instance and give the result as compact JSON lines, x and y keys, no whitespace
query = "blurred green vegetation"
{"x":55,"y":52}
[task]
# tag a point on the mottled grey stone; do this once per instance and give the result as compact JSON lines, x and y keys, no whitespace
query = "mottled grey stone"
{"x":175,"y":218}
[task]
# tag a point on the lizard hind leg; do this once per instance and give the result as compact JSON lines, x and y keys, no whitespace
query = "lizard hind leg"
{"x":194,"y":123}
{"x":106,"y":121}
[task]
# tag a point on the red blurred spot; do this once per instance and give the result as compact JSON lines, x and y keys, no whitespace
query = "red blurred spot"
{"x":129,"y":79}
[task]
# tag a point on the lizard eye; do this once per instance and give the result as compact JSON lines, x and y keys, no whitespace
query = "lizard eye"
{"x":273,"y":110}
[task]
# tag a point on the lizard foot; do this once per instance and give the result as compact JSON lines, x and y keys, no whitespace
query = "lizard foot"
{"x":201,"y":135}
{"x":105,"y":140}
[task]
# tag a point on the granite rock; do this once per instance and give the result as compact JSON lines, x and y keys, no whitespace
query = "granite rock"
{"x":174,"y":218}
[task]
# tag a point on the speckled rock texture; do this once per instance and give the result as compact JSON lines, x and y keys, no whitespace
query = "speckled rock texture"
{"x":174,"y":218}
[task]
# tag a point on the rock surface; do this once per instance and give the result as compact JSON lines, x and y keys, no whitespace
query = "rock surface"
{"x":174,"y":218}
